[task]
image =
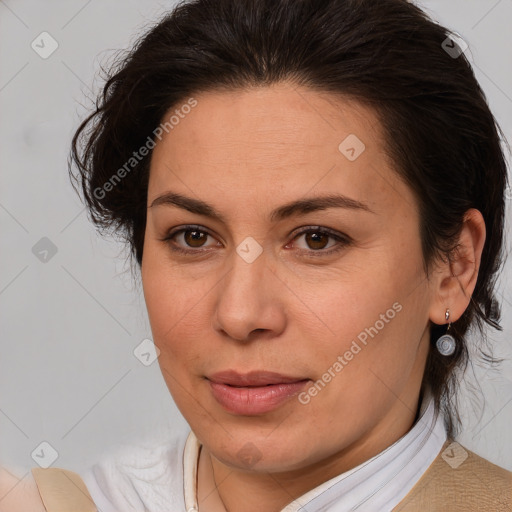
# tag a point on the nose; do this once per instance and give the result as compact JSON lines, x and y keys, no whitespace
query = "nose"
{"x":250,"y":301}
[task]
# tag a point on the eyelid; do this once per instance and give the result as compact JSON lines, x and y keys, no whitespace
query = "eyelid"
{"x":321,"y":229}
{"x":341,"y":238}
{"x":181,"y":229}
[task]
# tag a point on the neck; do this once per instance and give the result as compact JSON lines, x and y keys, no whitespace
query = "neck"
{"x":224,"y":488}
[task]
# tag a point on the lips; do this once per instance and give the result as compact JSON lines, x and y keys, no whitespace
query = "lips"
{"x":255,"y":378}
{"x":255,"y":392}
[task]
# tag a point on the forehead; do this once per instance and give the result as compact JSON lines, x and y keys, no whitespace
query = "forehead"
{"x":282,"y":137}
{"x":277,"y":117}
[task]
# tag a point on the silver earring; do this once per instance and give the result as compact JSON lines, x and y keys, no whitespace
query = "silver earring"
{"x":446,"y":343}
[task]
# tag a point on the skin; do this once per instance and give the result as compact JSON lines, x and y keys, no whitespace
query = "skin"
{"x":19,"y":494}
{"x":247,"y":152}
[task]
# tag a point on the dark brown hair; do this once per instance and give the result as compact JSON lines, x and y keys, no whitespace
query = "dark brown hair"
{"x":440,"y":133}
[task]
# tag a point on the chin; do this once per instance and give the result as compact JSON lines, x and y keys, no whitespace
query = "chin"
{"x":266,"y":451}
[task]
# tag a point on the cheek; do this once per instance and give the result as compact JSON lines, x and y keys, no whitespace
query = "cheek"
{"x":326,"y":308}
{"x":340,"y":302}
{"x":175,"y":302}
{"x":162,"y":294}
{"x":362,"y":315}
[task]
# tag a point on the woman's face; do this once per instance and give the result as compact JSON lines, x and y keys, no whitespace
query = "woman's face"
{"x":329,"y":295}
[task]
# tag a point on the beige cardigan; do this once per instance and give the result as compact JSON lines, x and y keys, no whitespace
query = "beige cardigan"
{"x":457,"y":481}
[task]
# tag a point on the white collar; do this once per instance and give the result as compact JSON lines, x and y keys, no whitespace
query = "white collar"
{"x":377,"y":484}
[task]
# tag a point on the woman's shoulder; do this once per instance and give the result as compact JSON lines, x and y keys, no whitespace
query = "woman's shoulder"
{"x":460,"y":480}
{"x":44,"y":490}
{"x":19,"y":494}
{"x":480,"y":466}
{"x":138,"y":476}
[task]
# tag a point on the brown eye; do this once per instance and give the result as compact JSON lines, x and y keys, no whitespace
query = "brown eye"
{"x":317,"y":240}
{"x":194,"y":238}
{"x":190,"y":240}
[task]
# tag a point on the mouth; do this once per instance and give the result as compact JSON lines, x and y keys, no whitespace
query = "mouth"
{"x":255,"y":392}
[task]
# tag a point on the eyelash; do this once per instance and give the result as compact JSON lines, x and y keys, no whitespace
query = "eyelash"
{"x":343,"y":240}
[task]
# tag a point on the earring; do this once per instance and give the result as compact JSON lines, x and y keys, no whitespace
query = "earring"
{"x":446,"y":343}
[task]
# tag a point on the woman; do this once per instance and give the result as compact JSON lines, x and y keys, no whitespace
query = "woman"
{"x":314,"y":193}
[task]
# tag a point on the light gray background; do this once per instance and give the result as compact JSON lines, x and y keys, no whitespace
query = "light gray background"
{"x":68,"y":375}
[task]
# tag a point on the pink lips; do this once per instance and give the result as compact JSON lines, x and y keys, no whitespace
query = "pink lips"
{"x":253,"y":393}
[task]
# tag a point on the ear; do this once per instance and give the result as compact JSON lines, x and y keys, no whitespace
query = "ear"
{"x":456,"y":278}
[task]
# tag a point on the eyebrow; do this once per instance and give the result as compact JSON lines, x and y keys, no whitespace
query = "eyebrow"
{"x":301,"y":206}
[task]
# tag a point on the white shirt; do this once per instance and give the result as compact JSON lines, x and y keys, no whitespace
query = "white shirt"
{"x":162,"y":477}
